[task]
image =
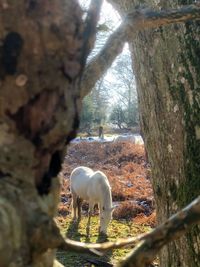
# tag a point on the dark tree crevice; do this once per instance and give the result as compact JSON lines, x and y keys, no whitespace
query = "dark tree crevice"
{"x":54,"y":168}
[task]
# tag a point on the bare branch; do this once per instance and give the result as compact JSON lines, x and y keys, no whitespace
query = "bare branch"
{"x":172,"y":229}
{"x":146,"y":18}
{"x":51,"y":238}
{"x":90,"y":27}
{"x":97,"y":248}
{"x":101,"y":62}
{"x":145,"y":252}
{"x":138,"y":20}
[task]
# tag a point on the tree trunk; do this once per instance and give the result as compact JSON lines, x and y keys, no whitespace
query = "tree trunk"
{"x":41,"y":59}
{"x":167,"y":68}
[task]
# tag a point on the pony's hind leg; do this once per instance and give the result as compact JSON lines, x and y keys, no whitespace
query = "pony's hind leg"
{"x":79,"y":204}
{"x":74,"y":205}
{"x":91,"y":208}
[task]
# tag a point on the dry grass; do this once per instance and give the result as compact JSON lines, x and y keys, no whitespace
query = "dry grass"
{"x":127,"y":170}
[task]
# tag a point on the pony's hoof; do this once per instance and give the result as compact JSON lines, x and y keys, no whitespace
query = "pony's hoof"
{"x":102,"y":234}
{"x":88,"y":236}
{"x":103,"y":237}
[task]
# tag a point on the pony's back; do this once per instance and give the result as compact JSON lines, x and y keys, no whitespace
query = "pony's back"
{"x":79,"y":179}
{"x":125,"y":138}
{"x":88,"y":184}
{"x":98,"y":187}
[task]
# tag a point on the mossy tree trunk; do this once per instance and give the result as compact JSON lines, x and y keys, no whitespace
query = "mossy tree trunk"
{"x":167,"y":68}
{"x":42,"y":54}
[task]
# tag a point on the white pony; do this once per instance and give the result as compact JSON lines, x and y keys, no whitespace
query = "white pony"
{"x":135,"y":139}
{"x":93,"y":187}
{"x":125,"y":138}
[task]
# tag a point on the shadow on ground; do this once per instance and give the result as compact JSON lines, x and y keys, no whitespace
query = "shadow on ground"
{"x":72,"y":259}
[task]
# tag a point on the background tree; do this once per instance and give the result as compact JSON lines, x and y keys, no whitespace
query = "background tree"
{"x":125,"y":108}
{"x":100,"y":97}
{"x":87,"y":114}
{"x":117,"y":116}
{"x":95,"y":107}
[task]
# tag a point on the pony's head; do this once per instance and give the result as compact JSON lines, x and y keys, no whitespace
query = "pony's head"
{"x":105,"y":217}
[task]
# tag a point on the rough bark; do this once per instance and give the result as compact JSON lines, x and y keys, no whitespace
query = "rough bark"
{"x":167,"y":71}
{"x":43,"y":49}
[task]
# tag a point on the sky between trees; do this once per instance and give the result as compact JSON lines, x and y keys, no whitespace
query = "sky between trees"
{"x":117,"y":87}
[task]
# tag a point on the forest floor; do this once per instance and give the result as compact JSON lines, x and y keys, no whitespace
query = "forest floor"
{"x":128,"y":172}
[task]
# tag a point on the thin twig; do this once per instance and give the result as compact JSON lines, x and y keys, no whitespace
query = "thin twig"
{"x":68,"y":244}
{"x":146,"y":18}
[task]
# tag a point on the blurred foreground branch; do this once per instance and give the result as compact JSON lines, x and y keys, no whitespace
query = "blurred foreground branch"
{"x":90,"y":27}
{"x":146,"y":251}
{"x":149,"y":244}
{"x":99,"y":248}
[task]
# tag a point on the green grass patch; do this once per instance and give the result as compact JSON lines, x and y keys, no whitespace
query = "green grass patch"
{"x":116,"y":230}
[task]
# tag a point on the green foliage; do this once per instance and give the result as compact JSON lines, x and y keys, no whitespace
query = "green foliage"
{"x":94,"y":108}
{"x":125,"y":109}
{"x":87,"y":114}
{"x":132,"y":115}
{"x":117,"y":116}
{"x":124,"y":117}
{"x":100,"y":98}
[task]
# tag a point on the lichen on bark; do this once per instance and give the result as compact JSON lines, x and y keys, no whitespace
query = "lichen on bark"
{"x":189,"y":98}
